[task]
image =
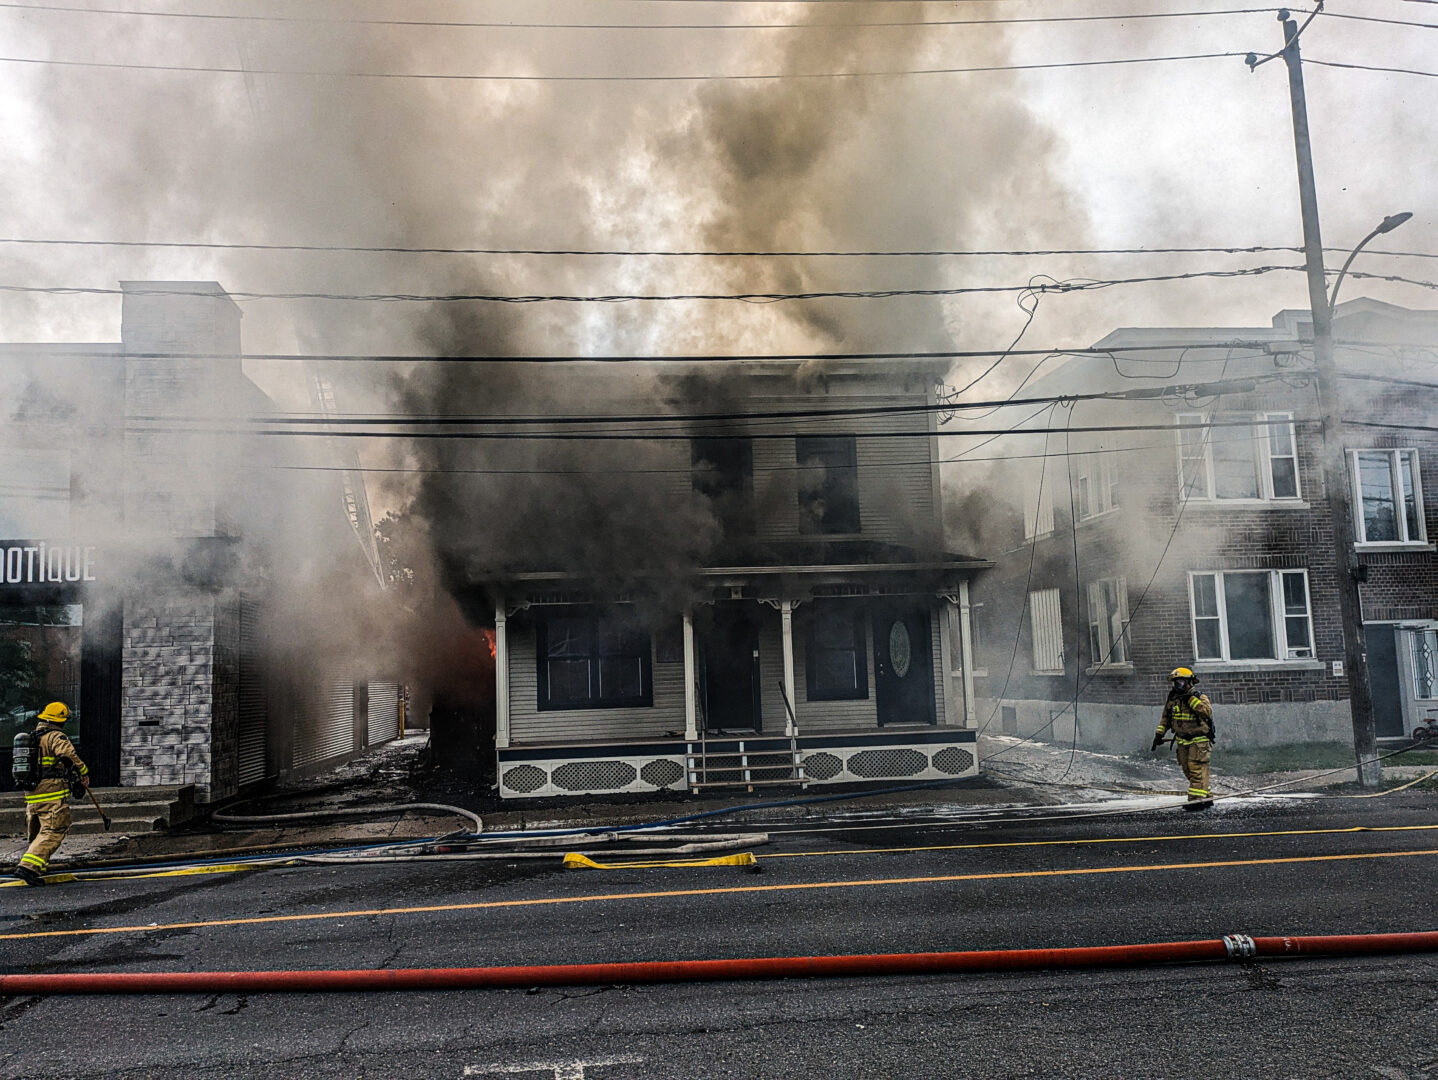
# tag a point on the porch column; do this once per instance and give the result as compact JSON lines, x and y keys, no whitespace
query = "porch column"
{"x":966,"y":645}
{"x":786,"y":621}
{"x":501,"y":678}
{"x":691,"y":691}
{"x":947,"y":607}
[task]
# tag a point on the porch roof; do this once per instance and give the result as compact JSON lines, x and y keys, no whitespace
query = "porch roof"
{"x":796,"y":557}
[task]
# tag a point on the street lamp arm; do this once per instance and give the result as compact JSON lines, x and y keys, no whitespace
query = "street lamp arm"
{"x":1388,"y":224}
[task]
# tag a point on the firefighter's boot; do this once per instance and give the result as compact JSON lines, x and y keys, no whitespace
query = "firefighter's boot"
{"x":28,"y":876}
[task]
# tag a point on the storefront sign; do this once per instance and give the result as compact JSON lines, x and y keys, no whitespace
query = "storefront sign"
{"x":31,"y":562}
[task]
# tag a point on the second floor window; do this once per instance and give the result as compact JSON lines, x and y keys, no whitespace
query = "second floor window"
{"x":1095,"y":485}
{"x":1389,"y":497}
{"x":1258,"y":462}
{"x":828,"y":483}
{"x":723,"y":472}
{"x":1251,"y":615}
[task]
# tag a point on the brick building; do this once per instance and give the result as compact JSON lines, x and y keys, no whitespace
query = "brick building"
{"x":135,"y":559}
{"x":1200,"y":535}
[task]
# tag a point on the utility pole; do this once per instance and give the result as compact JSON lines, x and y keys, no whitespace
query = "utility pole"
{"x":1335,"y":465}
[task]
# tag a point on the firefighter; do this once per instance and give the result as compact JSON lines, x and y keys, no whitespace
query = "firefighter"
{"x":1189,"y":715}
{"x":47,"y":808}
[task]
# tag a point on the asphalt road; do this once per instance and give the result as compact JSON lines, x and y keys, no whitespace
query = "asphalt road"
{"x":863,"y":883}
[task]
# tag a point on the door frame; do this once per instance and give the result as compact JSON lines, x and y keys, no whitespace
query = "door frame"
{"x":882,"y":616}
{"x":750,"y":620}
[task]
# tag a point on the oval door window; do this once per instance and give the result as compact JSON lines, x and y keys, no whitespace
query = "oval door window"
{"x":900,"y":654}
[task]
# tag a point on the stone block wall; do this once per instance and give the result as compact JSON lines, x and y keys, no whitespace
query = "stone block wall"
{"x":179,"y":704}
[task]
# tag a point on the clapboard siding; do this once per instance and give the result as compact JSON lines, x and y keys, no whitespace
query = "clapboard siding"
{"x":936,"y":649}
{"x":896,"y":481}
{"x":528,"y":724}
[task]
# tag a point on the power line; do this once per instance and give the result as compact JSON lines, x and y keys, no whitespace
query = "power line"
{"x":1377,"y":19}
{"x":1370,"y":67}
{"x":1232,"y":249}
{"x":766,"y":77}
{"x":462,"y":23}
{"x":631,"y":358}
{"x":650,"y":436}
{"x":1078,"y":285}
{"x":1149,"y":393}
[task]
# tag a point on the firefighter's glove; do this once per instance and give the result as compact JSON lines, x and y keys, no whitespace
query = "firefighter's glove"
{"x":1157,"y":742}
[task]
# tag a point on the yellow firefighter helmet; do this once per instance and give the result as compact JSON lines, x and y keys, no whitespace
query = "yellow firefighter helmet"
{"x":1182,"y":673}
{"x":55,"y":713}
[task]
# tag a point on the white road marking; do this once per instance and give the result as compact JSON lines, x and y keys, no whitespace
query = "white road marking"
{"x":562,"y":1070}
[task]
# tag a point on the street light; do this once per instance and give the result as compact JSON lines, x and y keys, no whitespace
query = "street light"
{"x":1387,"y":225}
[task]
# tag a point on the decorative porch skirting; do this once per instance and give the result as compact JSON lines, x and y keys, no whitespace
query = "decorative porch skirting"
{"x":839,"y":758}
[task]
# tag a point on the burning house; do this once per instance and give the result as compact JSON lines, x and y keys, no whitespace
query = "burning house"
{"x":704,"y":582}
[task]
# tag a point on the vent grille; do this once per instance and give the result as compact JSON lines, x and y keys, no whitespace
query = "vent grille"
{"x":525,"y":778}
{"x":953,"y":761}
{"x":594,"y":775}
{"x":872,"y":764}
{"x":822,"y":766}
{"x":661,"y":773}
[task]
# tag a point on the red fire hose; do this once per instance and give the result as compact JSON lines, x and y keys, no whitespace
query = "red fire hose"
{"x":1233,"y":947}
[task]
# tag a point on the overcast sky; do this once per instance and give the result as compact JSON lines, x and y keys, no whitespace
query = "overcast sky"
{"x":1192,"y":152}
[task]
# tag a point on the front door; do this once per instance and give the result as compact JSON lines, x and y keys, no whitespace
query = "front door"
{"x":729,"y":677}
{"x":903,"y":665}
{"x":1418,"y":675}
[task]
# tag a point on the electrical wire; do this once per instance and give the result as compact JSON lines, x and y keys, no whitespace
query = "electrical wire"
{"x":1085,"y":285}
{"x":1249,"y":249}
{"x":1370,"y":67}
{"x":460,"y":23}
{"x":112,"y":65}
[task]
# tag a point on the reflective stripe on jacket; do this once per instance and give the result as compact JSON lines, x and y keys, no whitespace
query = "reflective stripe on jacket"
{"x":1188,"y":718}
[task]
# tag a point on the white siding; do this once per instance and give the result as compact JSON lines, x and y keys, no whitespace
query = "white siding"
{"x":527,"y":724}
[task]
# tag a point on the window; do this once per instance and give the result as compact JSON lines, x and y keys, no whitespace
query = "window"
{"x":1259,"y":462}
{"x":1251,"y":615}
{"x":1389,"y":498}
{"x":1046,"y":618}
{"x":1038,"y":503}
{"x":593,"y":660}
{"x":828,"y":483}
{"x":1095,"y":485}
{"x":1108,"y":622}
{"x":723,"y":472}
{"x":836,"y":654}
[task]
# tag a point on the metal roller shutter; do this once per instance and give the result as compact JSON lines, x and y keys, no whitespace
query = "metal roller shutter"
{"x":253,"y":758}
{"x":329,"y":732}
{"x":383,"y":712}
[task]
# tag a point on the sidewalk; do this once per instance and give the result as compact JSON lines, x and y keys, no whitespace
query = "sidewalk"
{"x":1015,"y":773}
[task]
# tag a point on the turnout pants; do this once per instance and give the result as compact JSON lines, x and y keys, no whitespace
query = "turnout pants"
{"x":1193,"y":759}
{"x":47,"y":822}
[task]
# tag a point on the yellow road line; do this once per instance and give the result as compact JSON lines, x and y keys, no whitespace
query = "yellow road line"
{"x":716,"y":891}
{"x":1097,"y":840}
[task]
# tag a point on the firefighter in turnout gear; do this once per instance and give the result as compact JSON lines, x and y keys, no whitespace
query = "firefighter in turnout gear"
{"x":1189,"y":715}
{"x":47,"y":807}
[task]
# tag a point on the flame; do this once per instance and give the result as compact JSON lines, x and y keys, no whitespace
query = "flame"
{"x":488,"y":636}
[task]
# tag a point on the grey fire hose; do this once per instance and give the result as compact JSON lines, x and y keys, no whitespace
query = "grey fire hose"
{"x":221,"y":818}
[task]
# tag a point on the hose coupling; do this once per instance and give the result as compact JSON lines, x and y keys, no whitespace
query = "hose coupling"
{"x":1239,"y":946}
